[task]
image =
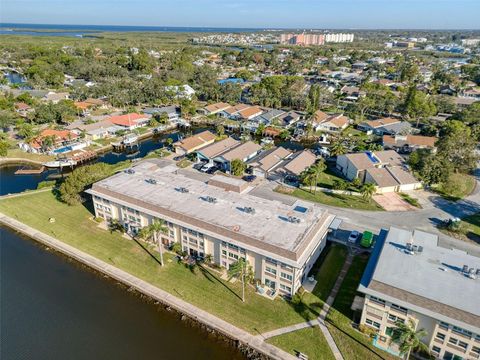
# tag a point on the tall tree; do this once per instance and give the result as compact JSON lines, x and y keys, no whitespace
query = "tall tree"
{"x":240,"y":269}
{"x":418,"y":105}
{"x":153,"y":230}
{"x":367,"y":190}
{"x":408,"y":338}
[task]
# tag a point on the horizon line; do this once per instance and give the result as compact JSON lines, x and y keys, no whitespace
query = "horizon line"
{"x":245,"y":28}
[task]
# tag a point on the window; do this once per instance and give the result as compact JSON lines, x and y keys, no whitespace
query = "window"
{"x":453,"y":341}
{"x":224,"y":252}
{"x":270,"y":270}
{"x":172,"y":234}
{"x":436,"y":349}
{"x":440,"y":336}
{"x":463,"y":345}
{"x":271,"y":261}
{"x":185,"y":237}
{"x":286,"y":276}
{"x":394,"y":318}
{"x":389,"y":331}
{"x":443,"y":325}
{"x":285,"y":288}
{"x":459,"y":330}
{"x":372,"y":323}
{"x":377,"y":300}
{"x":232,"y":255}
{"x":476,"y":350}
{"x":285,"y":266}
{"x":399,"y":308}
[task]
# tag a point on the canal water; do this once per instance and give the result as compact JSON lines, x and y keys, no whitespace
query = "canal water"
{"x":53,"y":308}
{"x":11,"y":183}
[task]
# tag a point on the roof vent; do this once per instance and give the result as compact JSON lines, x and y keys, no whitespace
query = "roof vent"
{"x":249,"y":210}
{"x":183,"y":190}
{"x":294,"y":220}
{"x":210,"y":199}
{"x":151,"y":181}
{"x":130,"y":171}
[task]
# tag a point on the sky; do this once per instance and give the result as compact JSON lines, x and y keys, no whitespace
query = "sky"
{"x":305,"y":14}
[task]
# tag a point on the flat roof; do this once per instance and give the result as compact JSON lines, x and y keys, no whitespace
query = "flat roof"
{"x":268,"y":229}
{"x":430,"y":281}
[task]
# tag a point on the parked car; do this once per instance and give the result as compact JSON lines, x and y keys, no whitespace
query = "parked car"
{"x":199,"y":165}
{"x":249,"y":178}
{"x":212,"y":170}
{"x":367,"y":239}
{"x":178,"y":158}
{"x":354,"y":236}
{"x":207,"y":167}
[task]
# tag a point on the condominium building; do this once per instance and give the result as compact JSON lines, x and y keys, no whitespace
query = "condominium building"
{"x":220,"y":218}
{"x":307,"y":39}
{"x":409,"y":276}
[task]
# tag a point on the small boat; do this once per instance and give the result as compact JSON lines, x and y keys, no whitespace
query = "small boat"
{"x":60,"y":163}
{"x":129,"y":139}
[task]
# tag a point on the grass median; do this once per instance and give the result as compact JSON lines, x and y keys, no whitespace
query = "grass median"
{"x":203,"y":288}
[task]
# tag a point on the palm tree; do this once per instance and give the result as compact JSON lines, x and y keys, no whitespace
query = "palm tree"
{"x":241,"y":270}
{"x":367,"y":191}
{"x":408,"y":338}
{"x":337,"y":148}
{"x":307,"y":177}
{"x":152,"y":231}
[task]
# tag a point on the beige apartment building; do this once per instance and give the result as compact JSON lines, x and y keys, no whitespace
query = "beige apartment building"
{"x":217,"y":216}
{"x":409,"y":276}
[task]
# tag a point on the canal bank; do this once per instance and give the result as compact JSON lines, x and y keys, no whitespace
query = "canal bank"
{"x":243,"y":338}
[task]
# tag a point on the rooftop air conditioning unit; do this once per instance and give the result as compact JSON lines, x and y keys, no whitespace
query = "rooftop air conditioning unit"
{"x":294,"y":219}
{"x":130,"y":171}
{"x":183,"y":190}
{"x":151,"y":181}
{"x":211,"y":199}
{"x":249,"y":210}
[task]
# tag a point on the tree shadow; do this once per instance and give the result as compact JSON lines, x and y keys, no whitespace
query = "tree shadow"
{"x":211,"y":277}
{"x":147,"y":251}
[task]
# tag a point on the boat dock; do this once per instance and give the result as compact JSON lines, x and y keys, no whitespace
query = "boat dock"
{"x":30,"y":171}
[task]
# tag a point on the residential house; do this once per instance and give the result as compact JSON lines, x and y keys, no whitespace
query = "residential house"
{"x":294,"y":165}
{"x":250,"y":112}
{"x":352,"y":93}
{"x":472,"y":93}
{"x":49,"y":140}
{"x":23,"y":109}
{"x":211,"y":151}
{"x":264,"y":165}
{"x":218,"y":218}
{"x":288,"y":119}
{"x":243,"y":152}
{"x":232,"y":112}
{"x":269,"y":117}
{"x":386,"y":126}
{"x":408,"y":143}
{"x":98,"y":130}
{"x":130,"y":121}
{"x":180,"y":92}
{"x":410,"y":277}
{"x":172,"y":112}
{"x":332,"y":123}
{"x":83,"y":107}
{"x":213,"y":109}
{"x":194,"y":142}
{"x":385,"y":169}
{"x":55,"y":97}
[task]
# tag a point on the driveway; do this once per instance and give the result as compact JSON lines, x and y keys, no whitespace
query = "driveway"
{"x":393,"y":202}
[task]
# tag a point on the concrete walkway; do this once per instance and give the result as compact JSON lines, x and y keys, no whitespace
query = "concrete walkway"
{"x":160,"y":295}
{"x":320,"y":321}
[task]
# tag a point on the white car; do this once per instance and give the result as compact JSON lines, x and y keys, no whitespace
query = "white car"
{"x":354,"y":235}
{"x":207,"y":167}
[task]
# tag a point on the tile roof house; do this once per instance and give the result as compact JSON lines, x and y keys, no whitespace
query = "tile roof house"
{"x":214,"y":108}
{"x":297,"y":163}
{"x":193,"y":143}
{"x":289,"y":118}
{"x":264,"y":164}
{"x":130,"y":121}
{"x":408,"y":143}
{"x":58,"y":138}
{"x":384,"y":126}
{"x":332,"y":123}
{"x":232,"y":112}
{"x":250,"y":112}
{"x":385,"y":169}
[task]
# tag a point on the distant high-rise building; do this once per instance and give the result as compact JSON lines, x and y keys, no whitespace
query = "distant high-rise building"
{"x":314,"y":38}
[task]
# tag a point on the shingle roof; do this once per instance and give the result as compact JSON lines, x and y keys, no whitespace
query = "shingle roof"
{"x":193,"y":142}
{"x":242,"y":151}
{"x":382,"y":177}
{"x":219,"y":147}
{"x":300,"y":162}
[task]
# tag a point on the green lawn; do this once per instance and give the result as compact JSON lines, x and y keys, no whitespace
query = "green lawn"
{"x":327,"y":178}
{"x":74,"y":226}
{"x":472,"y":224}
{"x":351,"y":343}
{"x":345,"y":201}
{"x":329,"y":269}
{"x":17,"y":153}
{"x":309,"y":341}
{"x":459,"y":186}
